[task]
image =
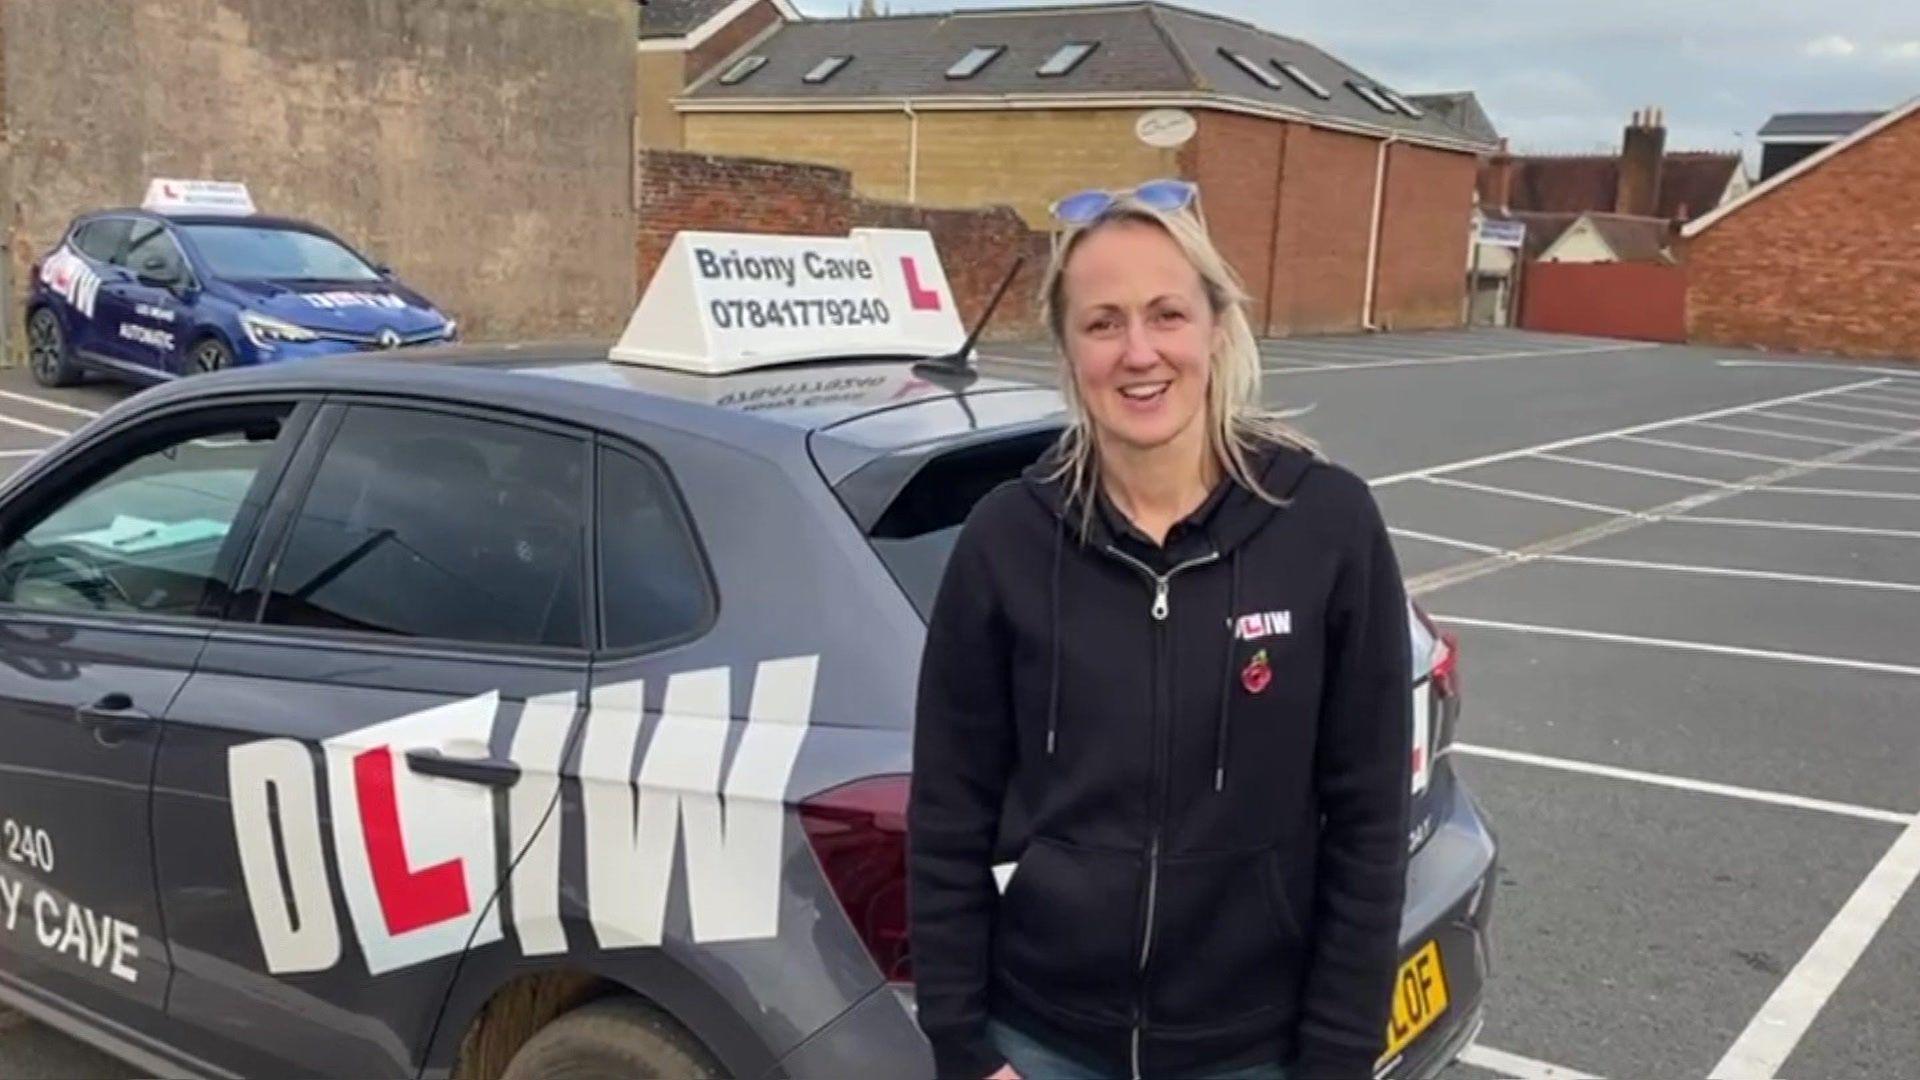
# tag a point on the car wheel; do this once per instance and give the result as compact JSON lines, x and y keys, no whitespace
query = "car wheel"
{"x":622,"y":1037}
{"x":47,"y":353}
{"x":211,"y":354}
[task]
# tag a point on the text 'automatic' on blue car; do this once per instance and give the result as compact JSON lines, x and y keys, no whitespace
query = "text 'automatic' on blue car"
{"x":196,"y":280}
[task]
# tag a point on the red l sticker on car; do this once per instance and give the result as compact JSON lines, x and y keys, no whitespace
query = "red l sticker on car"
{"x":921,"y":297}
{"x":409,"y":899}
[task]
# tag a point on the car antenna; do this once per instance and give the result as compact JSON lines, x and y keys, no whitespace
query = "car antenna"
{"x":960,"y":361}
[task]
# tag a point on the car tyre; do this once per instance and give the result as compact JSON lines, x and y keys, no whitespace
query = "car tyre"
{"x":48,"y":355}
{"x":623,"y":1037}
{"x":210,"y":354}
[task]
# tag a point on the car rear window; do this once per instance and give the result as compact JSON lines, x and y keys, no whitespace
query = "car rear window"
{"x":915,"y":535}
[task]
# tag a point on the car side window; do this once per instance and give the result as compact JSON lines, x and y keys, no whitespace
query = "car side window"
{"x":152,"y":528}
{"x":654,"y":585}
{"x":102,"y":238}
{"x":439,"y":526}
{"x":151,"y":251}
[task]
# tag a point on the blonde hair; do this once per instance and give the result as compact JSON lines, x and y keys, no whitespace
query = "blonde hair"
{"x":1238,"y":425}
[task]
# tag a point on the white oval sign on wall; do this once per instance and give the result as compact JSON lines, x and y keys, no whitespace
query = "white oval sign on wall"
{"x":1165,"y":128}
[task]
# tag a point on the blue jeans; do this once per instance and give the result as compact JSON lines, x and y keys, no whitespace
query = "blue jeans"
{"x":1035,"y":1060}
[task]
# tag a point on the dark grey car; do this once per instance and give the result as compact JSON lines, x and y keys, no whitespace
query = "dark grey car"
{"x":517,"y":712}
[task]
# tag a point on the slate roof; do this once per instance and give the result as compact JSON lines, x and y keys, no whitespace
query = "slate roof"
{"x":1633,"y":239}
{"x":1143,"y":48}
{"x":1816,"y":125}
{"x":1461,"y":108}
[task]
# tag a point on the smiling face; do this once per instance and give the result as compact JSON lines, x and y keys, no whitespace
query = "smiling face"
{"x":1139,"y":337}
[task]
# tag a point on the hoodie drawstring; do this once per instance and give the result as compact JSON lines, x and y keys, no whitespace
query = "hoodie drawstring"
{"x":1053,"y":692}
{"x":1226,"y":673}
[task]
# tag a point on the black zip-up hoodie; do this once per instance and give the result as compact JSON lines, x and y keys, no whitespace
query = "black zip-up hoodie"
{"x":1198,"y":756}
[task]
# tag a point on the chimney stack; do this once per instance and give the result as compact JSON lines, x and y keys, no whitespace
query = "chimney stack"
{"x":1642,"y":151}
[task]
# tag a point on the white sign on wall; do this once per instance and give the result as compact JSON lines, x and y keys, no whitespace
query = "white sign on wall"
{"x":1165,"y":128}
{"x":723,"y":302}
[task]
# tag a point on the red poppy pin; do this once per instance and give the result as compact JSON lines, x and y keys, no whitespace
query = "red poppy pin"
{"x":1256,"y":675}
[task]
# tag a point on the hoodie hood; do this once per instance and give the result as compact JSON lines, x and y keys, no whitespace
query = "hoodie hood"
{"x":1239,"y":517}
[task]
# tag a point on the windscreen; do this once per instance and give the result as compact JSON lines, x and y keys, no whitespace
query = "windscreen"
{"x":260,"y":253}
{"x":915,"y":536}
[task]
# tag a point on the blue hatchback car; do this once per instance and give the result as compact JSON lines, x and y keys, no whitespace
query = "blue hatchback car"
{"x":147,"y":296}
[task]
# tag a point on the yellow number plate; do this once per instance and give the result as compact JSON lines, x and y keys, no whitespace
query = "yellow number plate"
{"x":1419,"y":997}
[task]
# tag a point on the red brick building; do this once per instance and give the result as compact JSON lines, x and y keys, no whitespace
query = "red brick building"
{"x":1824,"y":257}
{"x":1342,"y":203}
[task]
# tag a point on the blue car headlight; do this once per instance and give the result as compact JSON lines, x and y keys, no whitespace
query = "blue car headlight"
{"x":266,"y":331}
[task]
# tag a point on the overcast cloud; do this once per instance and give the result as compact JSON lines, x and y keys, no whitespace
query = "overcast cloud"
{"x":1558,"y":76}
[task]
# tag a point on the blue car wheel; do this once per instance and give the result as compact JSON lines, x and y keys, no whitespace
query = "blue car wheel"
{"x":47,"y":352}
{"x":211,"y":354}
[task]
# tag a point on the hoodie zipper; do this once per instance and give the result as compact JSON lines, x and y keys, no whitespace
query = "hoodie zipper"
{"x":1162,"y":584}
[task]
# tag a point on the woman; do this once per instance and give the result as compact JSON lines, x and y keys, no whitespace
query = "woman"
{"x":1167,"y":673}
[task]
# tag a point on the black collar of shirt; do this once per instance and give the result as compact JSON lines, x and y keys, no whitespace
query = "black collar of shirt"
{"x":1188,"y":538}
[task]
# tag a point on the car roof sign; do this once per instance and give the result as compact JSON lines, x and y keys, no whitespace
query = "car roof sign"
{"x":166,"y":196}
{"x":727,"y":302}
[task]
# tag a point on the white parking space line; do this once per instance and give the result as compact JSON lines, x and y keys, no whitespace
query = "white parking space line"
{"x":1680,"y":645}
{"x":1682,"y":783}
{"x":1828,"y":421}
{"x":1727,"y":571}
{"x":1838,"y":369}
{"x":1718,"y":426}
{"x":21,"y":453}
{"x":29,"y":425}
{"x":1792,"y":526}
{"x":1530,"y":496}
{"x":1773,"y":458}
{"x":1636,"y":470}
{"x":1865,"y":411}
{"x":1474,"y":358}
{"x":1445,"y":541}
{"x":1769,"y":1039}
{"x":1517,"y":1067}
{"x":1581,"y":440}
{"x":1883,"y":398}
{"x":56,"y":406}
{"x":1278,"y":358}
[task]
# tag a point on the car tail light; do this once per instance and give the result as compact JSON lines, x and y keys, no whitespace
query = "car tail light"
{"x":1446,"y":667}
{"x":859,"y":833}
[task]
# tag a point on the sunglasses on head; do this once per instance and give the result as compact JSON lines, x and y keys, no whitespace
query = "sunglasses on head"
{"x":1165,"y":196}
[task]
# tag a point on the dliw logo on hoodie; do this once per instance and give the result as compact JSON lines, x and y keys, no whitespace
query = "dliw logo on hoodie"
{"x":1262,"y":625}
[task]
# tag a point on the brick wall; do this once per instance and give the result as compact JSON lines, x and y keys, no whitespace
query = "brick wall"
{"x":1320,"y":250}
{"x":1829,"y":262}
{"x":699,"y":191}
{"x":480,"y":146}
{"x":1236,"y":160}
{"x":1423,"y":238}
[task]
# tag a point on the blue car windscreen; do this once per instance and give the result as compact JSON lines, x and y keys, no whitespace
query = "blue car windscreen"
{"x":255,"y":253}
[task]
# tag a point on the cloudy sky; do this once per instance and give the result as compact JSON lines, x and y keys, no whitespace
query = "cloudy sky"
{"x":1560,"y":76}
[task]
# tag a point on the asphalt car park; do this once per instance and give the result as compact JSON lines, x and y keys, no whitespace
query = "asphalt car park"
{"x":1686,"y":584}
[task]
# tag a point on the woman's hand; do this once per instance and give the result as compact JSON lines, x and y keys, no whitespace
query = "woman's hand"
{"x":1004,"y":1072}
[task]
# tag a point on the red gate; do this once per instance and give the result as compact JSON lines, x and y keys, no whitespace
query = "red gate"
{"x":1643,"y":301}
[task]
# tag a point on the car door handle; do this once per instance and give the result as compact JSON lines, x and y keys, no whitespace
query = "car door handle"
{"x":112,"y":708}
{"x":491,"y":771}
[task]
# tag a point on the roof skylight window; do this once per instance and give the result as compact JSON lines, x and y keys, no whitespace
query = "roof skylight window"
{"x":1373,"y":96}
{"x":1306,"y":81}
{"x":1267,"y":78}
{"x":826,"y":69}
{"x":977,"y":58}
{"x":1401,"y":103}
{"x":1067,"y":58}
{"x":738,"y":72}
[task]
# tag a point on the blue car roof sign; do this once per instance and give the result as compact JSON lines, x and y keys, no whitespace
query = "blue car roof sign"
{"x":727,"y":302}
{"x":198,"y":197}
